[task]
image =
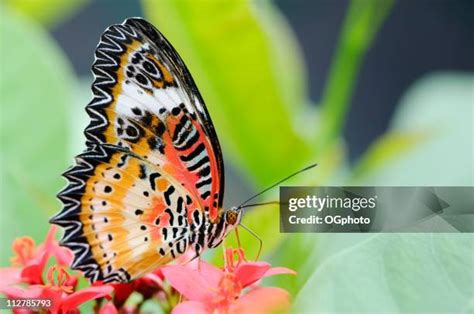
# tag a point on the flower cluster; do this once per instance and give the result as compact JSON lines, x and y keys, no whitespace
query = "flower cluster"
{"x":25,"y":278}
{"x":40,"y":272}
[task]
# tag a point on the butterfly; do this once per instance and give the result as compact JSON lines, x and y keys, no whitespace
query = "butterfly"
{"x":149,"y":186}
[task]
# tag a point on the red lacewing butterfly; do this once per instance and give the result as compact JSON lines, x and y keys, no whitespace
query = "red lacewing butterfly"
{"x":150,"y":184}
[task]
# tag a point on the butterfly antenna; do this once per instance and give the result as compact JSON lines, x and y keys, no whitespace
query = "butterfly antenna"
{"x":277,"y":183}
{"x":256,"y":236}
{"x":260,"y":204}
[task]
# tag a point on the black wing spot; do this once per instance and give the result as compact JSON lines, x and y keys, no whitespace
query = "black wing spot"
{"x":141,"y":79}
{"x":152,"y":179}
{"x":189,"y":200}
{"x":146,"y":119}
{"x":142,"y":174}
{"x":131,"y":131}
{"x":123,"y":159}
{"x":175,"y":111}
{"x":179,"y":205}
{"x":149,"y":67}
{"x":160,"y":129}
{"x":168,"y":193}
{"x":197,"y":217}
{"x":170,"y":213}
{"x":137,"y":111}
{"x":203,"y":183}
{"x":204,"y":172}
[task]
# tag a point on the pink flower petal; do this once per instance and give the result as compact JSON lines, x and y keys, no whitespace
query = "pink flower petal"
{"x":189,"y":282}
{"x":262,"y":300}
{"x":10,"y":276}
{"x":191,"y":307}
{"x":210,"y":273}
{"x":109,"y":308}
{"x":279,"y":271}
{"x":51,"y":248}
{"x":72,"y":301}
{"x":249,"y":272}
{"x":15,"y":292}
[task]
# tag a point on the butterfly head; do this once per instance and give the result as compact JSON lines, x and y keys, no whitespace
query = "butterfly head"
{"x":232,"y":217}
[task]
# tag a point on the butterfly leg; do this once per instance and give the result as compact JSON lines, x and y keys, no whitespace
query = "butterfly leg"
{"x":238,"y":238}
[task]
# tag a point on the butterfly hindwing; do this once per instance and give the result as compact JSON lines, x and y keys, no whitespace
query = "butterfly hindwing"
{"x":128,"y":214}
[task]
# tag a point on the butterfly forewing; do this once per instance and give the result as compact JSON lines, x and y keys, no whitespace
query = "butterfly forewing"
{"x":153,"y":170}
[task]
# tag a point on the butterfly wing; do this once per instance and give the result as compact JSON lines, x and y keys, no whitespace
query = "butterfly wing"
{"x":153,"y":170}
{"x":142,"y":83}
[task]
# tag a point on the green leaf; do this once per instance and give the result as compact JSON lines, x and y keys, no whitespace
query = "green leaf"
{"x":439,"y":105}
{"x":35,"y":90}
{"x":404,"y":272}
{"x":47,"y":12}
{"x":394,"y":273}
{"x":252,"y":86}
{"x":364,"y":19}
{"x":386,"y":149}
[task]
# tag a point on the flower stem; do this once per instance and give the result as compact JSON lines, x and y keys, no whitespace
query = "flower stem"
{"x":363,"y":20}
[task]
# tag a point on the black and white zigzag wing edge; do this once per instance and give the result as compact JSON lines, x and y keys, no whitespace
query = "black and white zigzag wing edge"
{"x":68,"y":217}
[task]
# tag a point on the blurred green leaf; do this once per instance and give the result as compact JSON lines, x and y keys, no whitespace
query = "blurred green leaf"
{"x":252,"y":86}
{"x":386,"y":148}
{"x":47,"y":12}
{"x":394,"y":273}
{"x":35,"y":90}
{"x":363,"y":20}
{"x":442,"y":104}
{"x":405,"y":272}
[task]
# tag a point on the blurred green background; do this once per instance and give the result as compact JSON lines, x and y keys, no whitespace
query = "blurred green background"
{"x":377,"y":92}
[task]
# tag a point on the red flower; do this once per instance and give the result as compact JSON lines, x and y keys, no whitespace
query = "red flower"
{"x":60,"y":290}
{"x":29,"y":261}
{"x":147,"y":286}
{"x":234,"y":289}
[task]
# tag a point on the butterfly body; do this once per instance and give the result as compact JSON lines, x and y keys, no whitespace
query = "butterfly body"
{"x":149,"y":186}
